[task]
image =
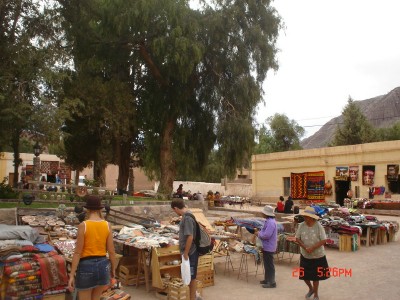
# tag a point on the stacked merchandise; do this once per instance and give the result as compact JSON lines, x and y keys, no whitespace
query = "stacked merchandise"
{"x":29,"y":268}
{"x":30,"y":274}
{"x":286,"y":246}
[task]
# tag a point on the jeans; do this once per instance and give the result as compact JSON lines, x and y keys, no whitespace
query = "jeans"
{"x":194,"y":261}
{"x":93,"y":272}
{"x":269,"y":266}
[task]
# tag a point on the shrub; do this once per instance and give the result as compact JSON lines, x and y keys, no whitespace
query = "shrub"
{"x":6,"y":191}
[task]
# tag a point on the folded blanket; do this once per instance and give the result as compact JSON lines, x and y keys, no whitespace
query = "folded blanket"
{"x":18,"y":288}
{"x":25,"y":274}
{"x":24,"y":266}
{"x":27,"y":280}
{"x":53,"y":269}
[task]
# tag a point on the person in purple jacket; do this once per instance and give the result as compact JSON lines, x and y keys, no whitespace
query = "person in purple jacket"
{"x":268,"y":236}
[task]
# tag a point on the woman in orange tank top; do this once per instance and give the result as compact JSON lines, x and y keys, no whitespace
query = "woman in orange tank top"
{"x":91,"y":270}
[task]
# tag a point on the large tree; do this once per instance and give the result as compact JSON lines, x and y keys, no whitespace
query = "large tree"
{"x":99,"y":95}
{"x":355,"y":128}
{"x":27,"y":43}
{"x":204,"y":72}
{"x":279,"y":134}
{"x":195,"y":76}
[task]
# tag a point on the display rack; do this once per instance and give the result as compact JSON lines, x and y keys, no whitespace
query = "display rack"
{"x":164,"y":265}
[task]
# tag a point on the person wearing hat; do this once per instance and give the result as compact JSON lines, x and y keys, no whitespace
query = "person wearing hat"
{"x":91,"y":269}
{"x":268,"y":236}
{"x":311,"y":238}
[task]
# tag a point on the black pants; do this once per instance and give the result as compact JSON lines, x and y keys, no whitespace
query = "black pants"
{"x":269,"y":266}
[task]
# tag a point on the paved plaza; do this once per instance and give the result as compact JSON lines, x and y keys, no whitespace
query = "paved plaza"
{"x":375,"y":274}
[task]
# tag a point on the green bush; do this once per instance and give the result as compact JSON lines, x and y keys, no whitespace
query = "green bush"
{"x":6,"y":191}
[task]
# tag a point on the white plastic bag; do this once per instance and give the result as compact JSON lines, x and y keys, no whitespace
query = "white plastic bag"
{"x":185,"y":271}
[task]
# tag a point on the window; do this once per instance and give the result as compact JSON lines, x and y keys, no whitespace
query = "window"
{"x":286,"y":186}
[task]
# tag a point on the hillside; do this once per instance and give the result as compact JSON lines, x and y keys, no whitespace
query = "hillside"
{"x":381,"y":111}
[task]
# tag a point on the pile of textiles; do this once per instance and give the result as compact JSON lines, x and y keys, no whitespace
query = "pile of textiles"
{"x":28,"y":273}
{"x":286,"y":246}
{"x":142,"y":238}
{"x":251,"y":223}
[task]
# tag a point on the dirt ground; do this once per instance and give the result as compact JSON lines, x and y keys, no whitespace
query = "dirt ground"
{"x":375,"y":274}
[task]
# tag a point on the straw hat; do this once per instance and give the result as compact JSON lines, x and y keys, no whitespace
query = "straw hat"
{"x":93,"y":203}
{"x":310,"y":212}
{"x":268,"y":211}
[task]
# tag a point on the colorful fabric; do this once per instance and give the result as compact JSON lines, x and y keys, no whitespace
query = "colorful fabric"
{"x":353,"y":170}
{"x":315,"y":185}
{"x":368,"y":175}
{"x":24,"y":266}
{"x":27,"y":280}
{"x":18,"y":287}
{"x":25,"y":274}
{"x":53,"y":268}
{"x":298,"y":185}
{"x":392,"y":172}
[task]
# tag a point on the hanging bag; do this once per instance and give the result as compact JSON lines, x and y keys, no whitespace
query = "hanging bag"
{"x":185,"y":271}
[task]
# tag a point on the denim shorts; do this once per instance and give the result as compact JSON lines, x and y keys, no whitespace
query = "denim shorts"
{"x":194,"y":261}
{"x":92,"y":272}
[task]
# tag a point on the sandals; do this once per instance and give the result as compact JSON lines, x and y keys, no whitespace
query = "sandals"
{"x":308,"y":295}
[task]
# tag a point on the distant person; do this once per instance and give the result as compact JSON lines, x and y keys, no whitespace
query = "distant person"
{"x":288,"y":206}
{"x":268,"y":236}
{"x":280,"y":206}
{"x":179,"y":191}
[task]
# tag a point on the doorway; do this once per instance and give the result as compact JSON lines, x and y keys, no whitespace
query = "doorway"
{"x":341,"y":188}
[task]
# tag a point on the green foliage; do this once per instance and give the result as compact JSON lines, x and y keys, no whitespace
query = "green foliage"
{"x":283,"y":135}
{"x":389,"y":134}
{"x":6,"y":191}
{"x":355,"y":128}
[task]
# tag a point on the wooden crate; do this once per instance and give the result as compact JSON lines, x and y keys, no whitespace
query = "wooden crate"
{"x":206,"y":262}
{"x":178,"y":292}
{"x":206,"y":277}
{"x":348,"y":242}
{"x":128,"y":275}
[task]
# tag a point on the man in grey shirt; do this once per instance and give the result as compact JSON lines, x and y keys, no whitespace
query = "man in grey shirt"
{"x":187,"y":247}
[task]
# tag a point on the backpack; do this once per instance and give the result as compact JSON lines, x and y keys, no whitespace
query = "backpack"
{"x":203,"y":241}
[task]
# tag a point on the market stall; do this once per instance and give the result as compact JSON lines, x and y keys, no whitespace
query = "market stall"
{"x":30,"y":266}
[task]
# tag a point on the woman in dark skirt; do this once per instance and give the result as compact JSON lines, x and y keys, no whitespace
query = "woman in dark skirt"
{"x":313,"y":264}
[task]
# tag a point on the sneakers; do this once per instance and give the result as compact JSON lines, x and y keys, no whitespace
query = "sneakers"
{"x":269,"y":285}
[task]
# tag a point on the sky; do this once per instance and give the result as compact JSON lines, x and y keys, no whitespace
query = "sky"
{"x":330,"y":50}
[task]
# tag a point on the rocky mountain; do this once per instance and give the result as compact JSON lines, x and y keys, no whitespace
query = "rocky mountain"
{"x":381,"y":111}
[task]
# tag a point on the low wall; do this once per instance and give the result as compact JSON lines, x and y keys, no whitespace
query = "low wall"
{"x":236,"y":189}
{"x":161,"y":211}
{"x":8,"y":216}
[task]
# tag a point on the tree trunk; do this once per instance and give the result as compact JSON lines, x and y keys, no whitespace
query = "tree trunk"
{"x":167,"y":163}
{"x":17,"y":159}
{"x":99,"y":173}
{"x":123,"y":166}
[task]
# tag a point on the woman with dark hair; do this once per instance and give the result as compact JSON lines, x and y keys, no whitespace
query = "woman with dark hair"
{"x":288,"y":206}
{"x":268,"y":236}
{"x":280,"y":206}
{"x":91,"y":269}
